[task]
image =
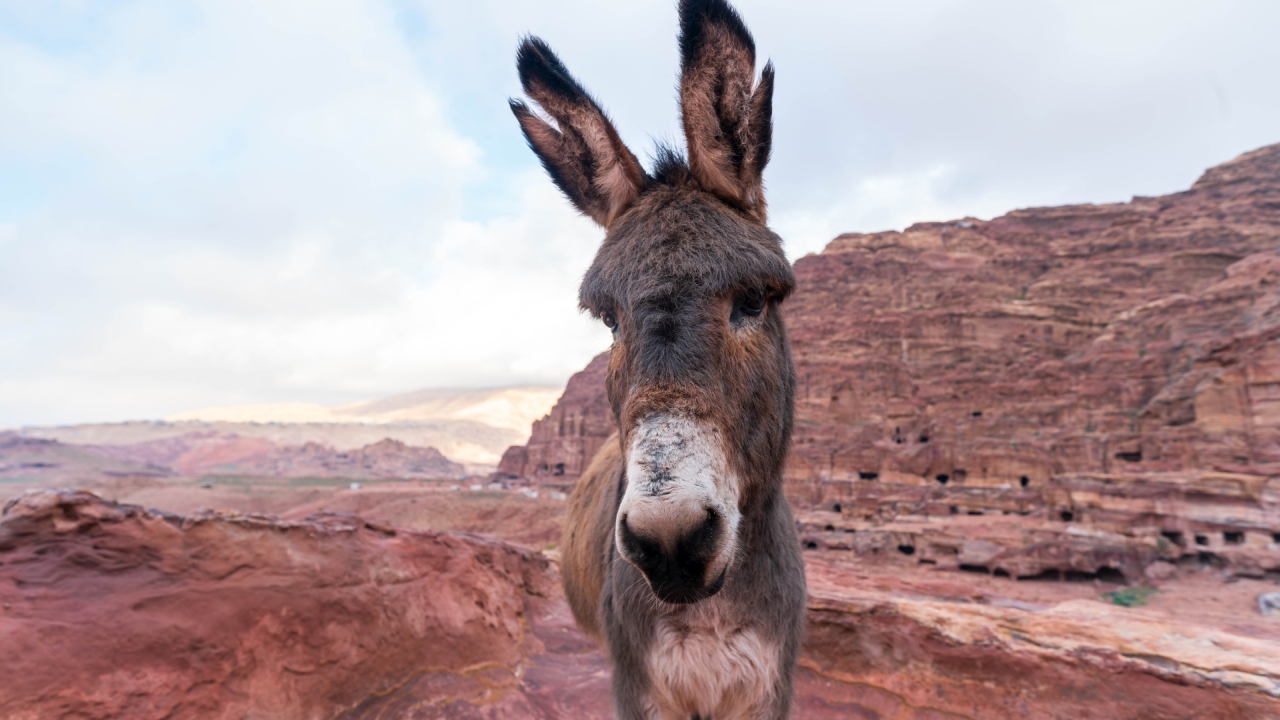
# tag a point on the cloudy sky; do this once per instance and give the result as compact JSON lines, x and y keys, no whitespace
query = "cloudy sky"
{"x":227,"y":202}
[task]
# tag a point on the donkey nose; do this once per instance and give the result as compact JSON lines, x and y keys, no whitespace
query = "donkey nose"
{"x":674,"y":560}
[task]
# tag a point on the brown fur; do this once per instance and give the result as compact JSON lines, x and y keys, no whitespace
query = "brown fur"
{"x":584,"y":555}
{"x":680,"y":552}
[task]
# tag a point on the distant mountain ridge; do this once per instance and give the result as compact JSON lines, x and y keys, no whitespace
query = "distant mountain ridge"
{"x":515,"y":408}
{"x":468,"y":426}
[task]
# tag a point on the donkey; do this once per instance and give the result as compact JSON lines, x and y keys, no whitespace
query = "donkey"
{"x":681,"y":555}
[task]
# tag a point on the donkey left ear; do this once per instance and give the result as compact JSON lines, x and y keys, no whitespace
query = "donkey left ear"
{"x":728,"y":118}
{"x":584,"y":156}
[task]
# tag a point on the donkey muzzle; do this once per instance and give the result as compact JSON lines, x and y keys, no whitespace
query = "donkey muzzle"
{"x":677,"y":566}
{"x":678,"y":519}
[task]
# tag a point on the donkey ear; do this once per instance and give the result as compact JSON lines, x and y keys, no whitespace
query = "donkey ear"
{"x":584,"y":156}
{"x":727,"y":117}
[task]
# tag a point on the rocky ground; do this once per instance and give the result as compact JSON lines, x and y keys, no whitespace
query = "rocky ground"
{"x":110,"y":611}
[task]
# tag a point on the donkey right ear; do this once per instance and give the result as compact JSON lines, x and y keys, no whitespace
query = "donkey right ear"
{"x":585,"y":157}
{"x":727,"y":116}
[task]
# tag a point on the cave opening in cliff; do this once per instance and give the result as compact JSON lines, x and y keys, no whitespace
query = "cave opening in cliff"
{"x":924,"y":438}
{"x":1111,"y":575}
{"x":1174,"y":537}
{"x":1067,"y":516}
{"x":1210,"y":560}
{"x":1106,"y":574}
{"x":836,"y":508}
{"x":942,"y":478}
{"x":868,"y":475}
{"x":907,"y":549}
{"x":1050,"y":575}
{"x":1024,"y":481}
{"x":1275,"y":538}
{"x":1001,"y":572}
{"x":1135,"y":456}
{"x":829,"y":528}
{"x":1202,"y":539}
{"x":559,"y":469}
{"x":965,"y":567}
{"x":811,"y":545}
{"x":977,"y":413}
{"x":955,"y":510}
{"x":1233,"y":538}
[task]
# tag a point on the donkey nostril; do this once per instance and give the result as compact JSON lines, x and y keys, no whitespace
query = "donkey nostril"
{"x":640,"y":548}
{"x":702,"y":539}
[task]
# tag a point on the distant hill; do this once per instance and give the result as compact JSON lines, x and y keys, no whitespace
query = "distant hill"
{"x":470,"y":426}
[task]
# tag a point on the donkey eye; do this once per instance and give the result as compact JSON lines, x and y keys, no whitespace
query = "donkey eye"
{"x":609,"y":319}
{"x":752,"y":303}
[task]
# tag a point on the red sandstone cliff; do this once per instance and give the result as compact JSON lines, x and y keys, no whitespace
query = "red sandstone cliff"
{"x":1115,"y":367}
{"x":1047,"y":341}
{"x":111,"y":611}
{"x":563,"y":442}
{"x":1129,"y":338}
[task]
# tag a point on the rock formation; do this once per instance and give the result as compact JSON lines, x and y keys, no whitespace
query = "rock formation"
{"x":1105,"y":379}
{"x":565,"y":440}
{"x":112,"y":611}
{"x":1107,"y":367}
{"x":946,"y":651}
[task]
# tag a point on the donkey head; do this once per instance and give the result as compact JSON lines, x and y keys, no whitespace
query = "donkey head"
{"x":689,"y":280}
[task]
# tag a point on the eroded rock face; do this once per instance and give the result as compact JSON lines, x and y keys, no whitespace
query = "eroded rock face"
{"x":111,"y":611}
{"x":1100,"y":383}
{"x":1127,"y":338}
{"x":883,"y":654}
{"x":566,"y":439}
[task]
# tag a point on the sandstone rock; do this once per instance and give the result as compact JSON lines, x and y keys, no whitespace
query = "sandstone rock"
{"x":1160,"y":571}
{"x":1099,"y":383}
{"x":888,"y":655}
{"x":112,"y":611}
{"x":566,"y":439}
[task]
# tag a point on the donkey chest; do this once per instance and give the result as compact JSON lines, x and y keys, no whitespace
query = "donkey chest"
{"x":705,"y":664}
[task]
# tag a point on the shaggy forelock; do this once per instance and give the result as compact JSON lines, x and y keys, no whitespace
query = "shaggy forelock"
{"x":680,"y":241}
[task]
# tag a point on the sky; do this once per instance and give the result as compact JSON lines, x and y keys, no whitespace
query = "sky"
{"x":223,"y":202}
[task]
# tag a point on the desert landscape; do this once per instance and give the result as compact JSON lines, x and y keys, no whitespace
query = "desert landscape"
{"x":1036,"y":473}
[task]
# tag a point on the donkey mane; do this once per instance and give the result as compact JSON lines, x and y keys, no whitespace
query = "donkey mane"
{"x":670,"y":167}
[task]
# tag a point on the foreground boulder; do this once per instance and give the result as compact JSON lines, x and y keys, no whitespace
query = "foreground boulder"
{"x":112,"y":611}
{"x":905,"y":650}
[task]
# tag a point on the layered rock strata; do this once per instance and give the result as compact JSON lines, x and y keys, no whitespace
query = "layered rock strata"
{"x":112,"y":611}
{"x":563,"y":442}
{"x":1102,"y":382}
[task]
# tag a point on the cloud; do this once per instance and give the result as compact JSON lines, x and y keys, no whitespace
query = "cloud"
{"x":262,"y":202}
{"x":223,"y":202}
